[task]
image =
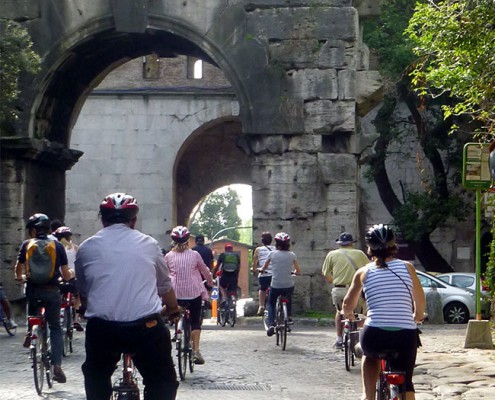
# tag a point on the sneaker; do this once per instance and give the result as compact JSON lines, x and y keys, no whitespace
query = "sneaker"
{"x":270,"y":331}
{"x":261,"y":311}
{"x":11,"y":324}
{"x":78,"y":327}
{"x":58,"y":374}
{"x":27,"y":340}
{"x":338,"y":344}
{"x":291,"y":321}
{"x":198,"y":358}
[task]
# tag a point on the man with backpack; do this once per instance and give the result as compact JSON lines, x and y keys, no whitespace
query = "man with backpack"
{"x":44,"y":261}
{"x":227,"y":268}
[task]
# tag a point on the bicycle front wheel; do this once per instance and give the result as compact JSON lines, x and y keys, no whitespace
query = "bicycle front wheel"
{"x":347,"y":352}
{"x":38,"y":363}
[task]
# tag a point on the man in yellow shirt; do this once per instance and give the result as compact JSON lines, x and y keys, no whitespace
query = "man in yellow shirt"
{"x":338,"y":269}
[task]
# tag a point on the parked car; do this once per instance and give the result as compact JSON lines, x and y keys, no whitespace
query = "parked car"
{"x":465,"y":280}
{"x":458,"y":304}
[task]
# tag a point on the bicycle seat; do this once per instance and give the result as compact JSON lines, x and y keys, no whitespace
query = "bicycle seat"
{"x":388,"y":354}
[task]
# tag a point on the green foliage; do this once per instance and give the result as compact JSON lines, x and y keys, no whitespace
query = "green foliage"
{"x":218,"y":211}
{"x":385,"y":36}
{"x":16,"y":57}
{"x":455,"y":42}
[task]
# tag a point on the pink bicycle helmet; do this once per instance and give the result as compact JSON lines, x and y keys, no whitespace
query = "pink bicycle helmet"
{"x":180,"y":234}
{"x":119,"y":207}
{"x":282,"y":237}
{"x":63,"y":232}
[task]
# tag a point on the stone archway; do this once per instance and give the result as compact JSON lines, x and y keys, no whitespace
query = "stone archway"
{"x":209,"y":159}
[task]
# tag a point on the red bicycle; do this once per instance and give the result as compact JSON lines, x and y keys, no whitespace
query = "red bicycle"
{"x":67,"y":315}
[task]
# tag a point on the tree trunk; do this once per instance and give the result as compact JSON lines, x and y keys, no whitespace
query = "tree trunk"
{"x":429,"y":256}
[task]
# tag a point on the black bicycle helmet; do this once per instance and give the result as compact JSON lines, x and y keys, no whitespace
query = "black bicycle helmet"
{"x":180,"y":234}
{"x":380,"y":237}
{"x":38,"y":221}
{"x":119,"y":206}
{"x":199,"y":239}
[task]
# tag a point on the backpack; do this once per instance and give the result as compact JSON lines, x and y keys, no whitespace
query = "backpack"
{"x":41,"y":255}
{"x":230,"y":262}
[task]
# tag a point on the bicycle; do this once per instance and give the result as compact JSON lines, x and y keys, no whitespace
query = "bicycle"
{"x":390,"y":384}
{"x":40,"y":350}
{"x":227,"y":311}
{"x":350,"y":340}
{"x":183,"y":343}
{"x":8,"y":328}
{"x":281,"y":321}
{"x":126,"y":387}
{"x":67,"y":316}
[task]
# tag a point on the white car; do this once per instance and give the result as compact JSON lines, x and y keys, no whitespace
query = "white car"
{"x":465,"y":280}
{"x":458,"y":304}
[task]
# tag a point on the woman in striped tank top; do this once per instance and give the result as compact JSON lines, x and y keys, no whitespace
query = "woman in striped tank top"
{"x":396,"y":302}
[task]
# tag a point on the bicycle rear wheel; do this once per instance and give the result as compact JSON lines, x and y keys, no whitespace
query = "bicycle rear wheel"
{"x":37,"y":359}
{"x":232,"y":312}
{"x":181,"y":358}
{"x":11,"y":331}
{"x":285,"y":327}
{"x":222,"y":315}
{"x":68,"y":330}
{"x":47,"y":348}
{"x":188,"y":345}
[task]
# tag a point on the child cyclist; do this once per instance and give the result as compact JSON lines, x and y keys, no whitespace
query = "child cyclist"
{"x":282,"y":263}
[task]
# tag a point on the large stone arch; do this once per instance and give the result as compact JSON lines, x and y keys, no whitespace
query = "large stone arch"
{"x":212,"y":157}
{"x":299,"y":71}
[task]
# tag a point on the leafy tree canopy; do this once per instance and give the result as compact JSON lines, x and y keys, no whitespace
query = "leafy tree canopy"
{"x":455,"y":42}
{"x":16,"y":57}
{"x":217,"y":211}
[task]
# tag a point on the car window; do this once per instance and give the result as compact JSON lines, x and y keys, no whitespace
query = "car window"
{"x":462,"y":281}
{"x":425,"y":281}
{"x":444,"y":278}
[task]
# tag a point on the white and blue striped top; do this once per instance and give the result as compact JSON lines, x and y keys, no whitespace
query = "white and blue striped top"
{"x":387,"y":297}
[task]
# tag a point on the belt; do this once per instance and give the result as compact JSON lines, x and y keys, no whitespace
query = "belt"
{"x":343,"y":286}
{"x":137,"y":322}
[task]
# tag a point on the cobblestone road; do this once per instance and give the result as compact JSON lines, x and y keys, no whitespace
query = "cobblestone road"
{"x":243,"y":363}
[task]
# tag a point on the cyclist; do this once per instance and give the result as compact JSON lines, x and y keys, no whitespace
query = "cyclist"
{"x":338,"y":269}
{"x":64,"y":235}
{"x":38,"y":226}
{"x":282,"y":262}
{"x":227,"y":268}
{"x":264,"y":279}
{"x":123,"y":281}
{"x":188,"y":271}
{"x":204,"y":251}
{"x":7,"y":309}
{"x":395,"y":302}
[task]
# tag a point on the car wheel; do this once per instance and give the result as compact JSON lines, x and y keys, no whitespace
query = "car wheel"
{"x":456,"y":313}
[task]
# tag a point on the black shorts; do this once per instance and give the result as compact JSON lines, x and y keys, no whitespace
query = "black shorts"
{"x":374,"y":341}
{"x":264,"y":281}
{"x":228,"y":280}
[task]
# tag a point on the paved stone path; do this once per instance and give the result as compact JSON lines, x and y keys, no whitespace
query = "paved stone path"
{"x":243,"y":363}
